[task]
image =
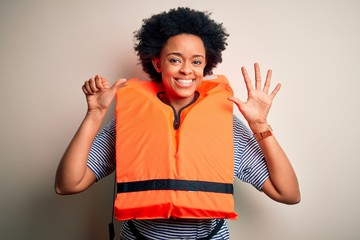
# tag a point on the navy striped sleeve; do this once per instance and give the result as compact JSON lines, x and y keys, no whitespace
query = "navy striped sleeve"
{"x":101,"y":159}
{"x":250,"y":165}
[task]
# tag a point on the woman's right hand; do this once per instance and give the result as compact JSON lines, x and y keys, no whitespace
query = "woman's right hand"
{"x":73,"y":175}
{"x":99,"y":94}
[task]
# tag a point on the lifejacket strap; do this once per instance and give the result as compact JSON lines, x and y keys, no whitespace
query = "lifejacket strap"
{"x":215,"y":230}
{"x":175,"y":184}
{"x":111,"y":224}
{"x":138,"y":235}
{"x":135,"y":232}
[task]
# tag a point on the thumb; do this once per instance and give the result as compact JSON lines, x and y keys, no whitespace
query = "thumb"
{"x":237,"y":101}
{"x":119,"y":83}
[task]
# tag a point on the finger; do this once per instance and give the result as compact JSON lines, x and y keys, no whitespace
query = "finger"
{"x":235,"y":100}
{"x":92,"y":84}
{"x":267,"y":81}
{"x":257,"y":76}
{"x":246,"y":79}
{"x":88,"y":88}
{"x":119,"y":83}
{"x":99,"y":82}
{"x":85,"y":91}
{"x":105,"y":83}
{"x":275,"y":91}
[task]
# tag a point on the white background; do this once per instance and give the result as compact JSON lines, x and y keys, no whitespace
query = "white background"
{"x":49,"y":48}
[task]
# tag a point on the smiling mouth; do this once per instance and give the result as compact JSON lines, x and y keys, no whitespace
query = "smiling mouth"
{"x":184,"y":82}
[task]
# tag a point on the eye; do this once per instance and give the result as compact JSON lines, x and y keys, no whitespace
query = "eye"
{"x":197,"y":62}
{"x":174,"y":60}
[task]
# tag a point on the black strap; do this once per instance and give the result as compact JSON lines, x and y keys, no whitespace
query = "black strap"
{"x":111,"y":224}
{"x":135,"y":232}
{"x":111,"y":230}
{"x":138,"y":235}
{"x":215,"y":230}
{"x":175,"y":184}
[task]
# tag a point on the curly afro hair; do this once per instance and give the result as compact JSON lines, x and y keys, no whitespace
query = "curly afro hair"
{"x":157,"y":29}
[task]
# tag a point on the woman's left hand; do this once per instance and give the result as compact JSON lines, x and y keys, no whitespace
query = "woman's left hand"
{"x":255,"y":110}
{"x":282,"y":184}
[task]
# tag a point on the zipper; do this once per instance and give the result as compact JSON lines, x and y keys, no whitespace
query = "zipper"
{"x":177,"y":116}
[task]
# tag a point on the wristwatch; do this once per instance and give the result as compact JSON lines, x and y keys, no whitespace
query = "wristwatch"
{"x":262,"y":135}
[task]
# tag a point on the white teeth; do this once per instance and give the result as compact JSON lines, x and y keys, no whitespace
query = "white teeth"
{"x":185,"y":81}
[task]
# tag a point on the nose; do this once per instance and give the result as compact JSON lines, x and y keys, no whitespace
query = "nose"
{"x":186,"y":68}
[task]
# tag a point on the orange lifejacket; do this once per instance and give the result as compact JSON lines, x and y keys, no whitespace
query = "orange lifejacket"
{"x":164,"y":172}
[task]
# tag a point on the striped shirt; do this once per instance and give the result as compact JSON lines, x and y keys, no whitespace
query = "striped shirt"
{"x":249,"y":166}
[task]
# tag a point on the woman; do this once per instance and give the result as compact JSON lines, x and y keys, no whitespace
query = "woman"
{"x":179,"y":48}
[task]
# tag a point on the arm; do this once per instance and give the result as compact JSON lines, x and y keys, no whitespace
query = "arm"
{"x":282,"y":185}
{"x":72,"y":174}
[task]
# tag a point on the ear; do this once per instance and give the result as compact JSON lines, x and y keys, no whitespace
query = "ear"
{"x":156,"y":64}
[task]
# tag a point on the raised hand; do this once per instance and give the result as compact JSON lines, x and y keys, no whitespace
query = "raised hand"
{"x":256,"y":109}
{"x":73,"y":175}
{"x":99,"y":93}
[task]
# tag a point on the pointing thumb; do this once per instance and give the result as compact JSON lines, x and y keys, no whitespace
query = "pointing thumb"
{"x":119,"y":83}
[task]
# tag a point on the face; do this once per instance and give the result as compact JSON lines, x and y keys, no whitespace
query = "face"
{"x":181,"y":64}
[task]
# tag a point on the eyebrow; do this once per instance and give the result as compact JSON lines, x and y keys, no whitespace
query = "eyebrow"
{"x":179,"y":54}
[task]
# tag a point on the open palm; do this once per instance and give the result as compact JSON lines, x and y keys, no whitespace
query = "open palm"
{"x":256,"y":109}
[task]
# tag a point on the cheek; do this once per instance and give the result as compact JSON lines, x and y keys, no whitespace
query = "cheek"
{"x":199,"y":72}
{"x":167,"y":70}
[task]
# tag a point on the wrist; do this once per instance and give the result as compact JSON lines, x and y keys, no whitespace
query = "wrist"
{"x":95,"y":115}
{"x":257,"y":127}
{"x":261,"y":130}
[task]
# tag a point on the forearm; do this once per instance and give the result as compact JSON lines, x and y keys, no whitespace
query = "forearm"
{"x":282,"y":184}
{"x":73,"y":175}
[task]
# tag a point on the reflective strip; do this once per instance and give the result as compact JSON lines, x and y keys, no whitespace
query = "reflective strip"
{"x":175,"y":184}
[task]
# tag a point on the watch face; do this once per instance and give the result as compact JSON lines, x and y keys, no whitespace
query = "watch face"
{"x":262,"y":135}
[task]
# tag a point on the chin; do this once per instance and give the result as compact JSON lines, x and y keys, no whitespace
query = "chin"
{"x":186,"y":94}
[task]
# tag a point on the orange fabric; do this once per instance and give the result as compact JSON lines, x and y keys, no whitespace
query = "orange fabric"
{"x":148,"y":147}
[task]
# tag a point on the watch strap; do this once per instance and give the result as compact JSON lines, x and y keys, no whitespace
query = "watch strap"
{"x":262,"y":135}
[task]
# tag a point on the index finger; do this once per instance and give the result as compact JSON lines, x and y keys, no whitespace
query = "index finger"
{"x":99,"y":81}
{"x":247,"y":80}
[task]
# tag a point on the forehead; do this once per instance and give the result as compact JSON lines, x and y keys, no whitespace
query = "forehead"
{"x":184,"y":43}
